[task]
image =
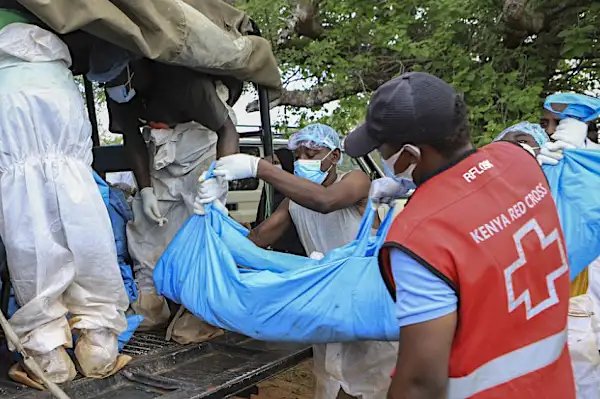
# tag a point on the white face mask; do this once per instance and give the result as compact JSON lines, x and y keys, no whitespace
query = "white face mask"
{"x":529,"y":148}
{"x":310,"y":169}
{"x":122,"y":93}
{"x":404,"y":178}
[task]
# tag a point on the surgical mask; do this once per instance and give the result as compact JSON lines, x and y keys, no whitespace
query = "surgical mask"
{"x":529,"y":148}
{"x":310,"y":169}
{"x":404,"y":178}
{"x":122,"y":93}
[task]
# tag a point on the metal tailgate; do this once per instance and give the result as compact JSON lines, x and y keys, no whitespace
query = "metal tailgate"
{"x":214,"y":369}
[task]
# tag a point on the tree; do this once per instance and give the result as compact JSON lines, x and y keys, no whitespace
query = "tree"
{"x":504,"y":55}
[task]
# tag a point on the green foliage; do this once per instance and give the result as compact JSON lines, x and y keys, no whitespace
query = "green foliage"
{"x":111,"y":139}
{"x":503,"y":71}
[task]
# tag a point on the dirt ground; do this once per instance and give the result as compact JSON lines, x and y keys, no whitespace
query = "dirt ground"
{"x":297,"y":383}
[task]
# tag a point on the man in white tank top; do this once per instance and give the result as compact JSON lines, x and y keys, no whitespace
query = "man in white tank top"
{"x":326,"y":208}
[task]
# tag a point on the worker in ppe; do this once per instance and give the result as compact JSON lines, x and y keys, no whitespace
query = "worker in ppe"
{"x":480,"y":279}
{"x":326,"y":208}
{"x":530,"y":136}
{"x":563,"y":119}
{"x":174,"y":121}
{"x":289,"y":242}
{"x":58,"y":236}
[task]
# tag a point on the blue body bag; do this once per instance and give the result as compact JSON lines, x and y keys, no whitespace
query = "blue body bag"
{"x":219,"y":275}
{"x":575,"y":186}
{"x":120,"y":214}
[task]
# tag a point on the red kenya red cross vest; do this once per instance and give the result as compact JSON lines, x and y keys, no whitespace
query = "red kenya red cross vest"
{"x":489,"y":228}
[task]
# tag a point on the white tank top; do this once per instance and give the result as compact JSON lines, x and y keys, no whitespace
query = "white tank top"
{"x":324,"y":232}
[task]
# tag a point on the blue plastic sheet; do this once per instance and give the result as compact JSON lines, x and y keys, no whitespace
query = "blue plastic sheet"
{"x":133,"y":322}
{"x":120,"y":214}
{"x":212,"y":269}
{"x":575,"y":186}
{"x":102,"y":187}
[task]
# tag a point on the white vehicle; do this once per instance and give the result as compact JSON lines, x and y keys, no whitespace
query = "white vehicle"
{"x":244,"y":195}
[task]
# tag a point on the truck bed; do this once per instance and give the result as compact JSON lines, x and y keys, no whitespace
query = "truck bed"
{"x":218,"y":368}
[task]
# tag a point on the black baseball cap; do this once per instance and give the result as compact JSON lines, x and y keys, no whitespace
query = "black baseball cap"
{"x":415,"y":107}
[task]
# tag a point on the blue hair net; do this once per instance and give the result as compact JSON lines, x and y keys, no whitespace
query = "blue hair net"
{"x":579,"y":106}
{"x":315,"y":136}
{"x":532,"y":129}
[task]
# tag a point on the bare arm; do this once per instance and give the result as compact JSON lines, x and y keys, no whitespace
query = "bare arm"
{"x":208,"y":109}
{"x":352,"y":189}
{"x":124,"y":120}
{"x":136,"y":149}
{"x":423,"y":359}
{"x":228,"y":141}
{"x":269,"y":231}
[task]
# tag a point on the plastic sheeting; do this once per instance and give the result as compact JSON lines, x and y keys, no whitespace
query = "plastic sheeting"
{"x":133,"y":322}
{"x":206,"y":35}
{"x":120,"y":214}
{"x":574,"y":184}
{"x":276,"y":296}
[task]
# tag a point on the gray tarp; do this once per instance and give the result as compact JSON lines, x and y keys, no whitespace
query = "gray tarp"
{"x":206,"y":35}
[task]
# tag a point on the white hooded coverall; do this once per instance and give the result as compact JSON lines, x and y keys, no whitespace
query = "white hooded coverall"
{"x":58,"y":237}
{"x":178,"y":157}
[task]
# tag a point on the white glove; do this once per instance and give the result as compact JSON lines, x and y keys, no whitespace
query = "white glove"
{"x":385,"y":190}
{"x":316,"y":255}
{"x":237,"y":166}
{"x":150,"y":206}
{"x":210,"y":191}
{"x":551,"y":152}
{"x":571,"y":131}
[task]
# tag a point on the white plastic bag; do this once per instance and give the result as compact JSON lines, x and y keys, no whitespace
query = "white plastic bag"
{"x":583,"y":347}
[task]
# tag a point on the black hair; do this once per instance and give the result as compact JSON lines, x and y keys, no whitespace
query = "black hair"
{"x":461,"y":136}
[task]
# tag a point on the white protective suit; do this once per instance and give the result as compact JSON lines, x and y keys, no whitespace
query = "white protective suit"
{"x":594,"y":293}
{"x":583,"y":346}
{"x":361,"y":369}
{"x":177,"y":159}
{"x":59,"y":241}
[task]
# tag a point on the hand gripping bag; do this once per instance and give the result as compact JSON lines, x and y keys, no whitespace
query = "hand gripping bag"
{"x":575,"y":186}
{"x":212,"y":269}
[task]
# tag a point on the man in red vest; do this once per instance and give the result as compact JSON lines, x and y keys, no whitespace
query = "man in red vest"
{"x":476,"y":261}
